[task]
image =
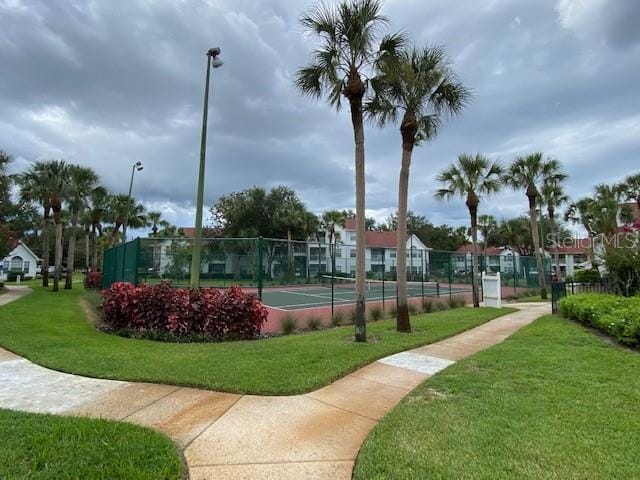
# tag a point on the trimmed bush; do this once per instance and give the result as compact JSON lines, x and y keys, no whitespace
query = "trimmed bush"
{"x":413,"y":310}
{"x":288,"y":324}
{"x":215,"y":314}
{"x":427,"y":305}
{"x":440,"y":306}
{"x":375,"y":313}
{"x":615,"y":315}
{"x":314,"y":322}
{"x":586,"y":276}
{"x":93,"y":280}
{"x":337,"y":319}
{"x":393,"y":311}
{"x":456,"y":302}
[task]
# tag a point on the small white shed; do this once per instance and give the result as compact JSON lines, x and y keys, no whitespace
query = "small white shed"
{"x":21,"y":259}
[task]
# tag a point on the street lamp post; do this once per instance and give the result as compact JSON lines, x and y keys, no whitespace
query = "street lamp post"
{"x":136,"y":167}
{"x":212,"y":62}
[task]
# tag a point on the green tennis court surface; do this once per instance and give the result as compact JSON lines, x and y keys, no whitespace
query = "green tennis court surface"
{"x":314,"y":296}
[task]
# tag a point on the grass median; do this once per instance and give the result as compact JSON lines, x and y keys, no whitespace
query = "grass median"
{"x":552,"y":401}
{"x":48,"y":447}
{"x":51,"y":329}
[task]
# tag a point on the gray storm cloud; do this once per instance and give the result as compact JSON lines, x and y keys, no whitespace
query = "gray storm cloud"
{"x":108,"y":83}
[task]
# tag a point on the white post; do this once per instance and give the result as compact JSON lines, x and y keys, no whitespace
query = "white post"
{"x":492,"y":290}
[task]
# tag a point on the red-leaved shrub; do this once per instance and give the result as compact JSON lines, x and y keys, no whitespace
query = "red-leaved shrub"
{"x":93,"y":280}
{"x":213,"y":313}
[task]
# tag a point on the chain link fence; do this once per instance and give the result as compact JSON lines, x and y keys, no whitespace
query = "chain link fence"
{"x":265,"y":262}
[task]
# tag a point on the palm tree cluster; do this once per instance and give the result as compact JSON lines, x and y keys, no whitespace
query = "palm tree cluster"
{"x":386,"y":79}
{"x":607,"y":210}
{"x":73,"y":197}
{"x":475,"y":176}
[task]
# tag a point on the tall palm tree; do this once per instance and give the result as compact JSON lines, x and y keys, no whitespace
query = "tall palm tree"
{"x":552,"y":195}
{"x":97,"y":212}
{"x":488,"y":226}
{"x":631,"y":186}
{"x":610,"y":209}
{"x":123,"y":207}
{"x":345,"y":58}
{"x":57,"y":172}
{"x":582,"y":212}
{"x":419,"y":85}
{"x":5,"y":178}
{"x":472,"y":177}
{"x":154,"y":222}
{"x":331,"y":220}
{"x":169,"y":231}
{"x":530,"y":173}
{"x":82,"y":181}
{"x":34,"y":187}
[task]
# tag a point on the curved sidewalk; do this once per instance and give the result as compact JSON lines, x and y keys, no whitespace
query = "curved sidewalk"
{"x":227,"y":436}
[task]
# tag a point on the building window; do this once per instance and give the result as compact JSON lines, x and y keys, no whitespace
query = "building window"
{"x":25,"y":266}
{"x":16,"y":263}
{"x":338,"y":252}
{"x":392,"y":254}
{"x":353,"y":236}
{"x":352,"y":253}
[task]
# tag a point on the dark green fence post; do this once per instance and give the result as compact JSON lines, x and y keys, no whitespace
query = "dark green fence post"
{"x":384,"y":274}
{"x":332,"y":249}
{"x":260,"y":267}
{"x":123,"y":275}
{"x":450,"y":275}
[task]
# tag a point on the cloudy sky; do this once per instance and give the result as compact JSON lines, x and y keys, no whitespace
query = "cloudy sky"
{"x":108,"y":83}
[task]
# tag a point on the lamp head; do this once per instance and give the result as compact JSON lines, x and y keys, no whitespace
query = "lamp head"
{"x":215,"y":60}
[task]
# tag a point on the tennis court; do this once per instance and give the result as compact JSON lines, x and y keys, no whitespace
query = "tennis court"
{"x":342,"y":292}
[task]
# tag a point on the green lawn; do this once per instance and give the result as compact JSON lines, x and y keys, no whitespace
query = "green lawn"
{"x":552,"y":401}
{"x":51,"y":330}
{"x":39,"y":446}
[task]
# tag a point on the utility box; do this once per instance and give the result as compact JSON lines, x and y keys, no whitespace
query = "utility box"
{"x":492,"y":290}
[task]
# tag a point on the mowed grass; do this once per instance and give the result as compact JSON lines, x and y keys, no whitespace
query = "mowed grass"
{"x":553,"y":401}
{"x":51,"y":329}
{"x":37,"y":446}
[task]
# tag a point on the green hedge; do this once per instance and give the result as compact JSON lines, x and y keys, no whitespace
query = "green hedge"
{"x":586,"y":276}
{"x":615,"y":315}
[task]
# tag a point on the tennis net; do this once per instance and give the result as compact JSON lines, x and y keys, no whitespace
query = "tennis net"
{"x":414,"y":289}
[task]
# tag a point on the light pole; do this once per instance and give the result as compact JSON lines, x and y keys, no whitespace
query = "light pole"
{"x":136,"y":167}
{"x":212,"y":62}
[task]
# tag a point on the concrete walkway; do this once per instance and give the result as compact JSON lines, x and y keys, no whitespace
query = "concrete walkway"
{"x":13,"y":292}
{"x":226,"y":436}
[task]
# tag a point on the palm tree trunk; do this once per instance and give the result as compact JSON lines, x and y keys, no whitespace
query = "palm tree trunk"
{"x":87,"y":252}
{"x":485,"y":234}
{"x":358,"y":134}
{"x":289,"y":256}
{"x":57,"y":250}
{"x":45,"y":246}
{"x":114,"y":233}
{"x":556,"y":239}
{"x":94,"y":250}
{"x":473,"y":213}
{"x":403,"y":323}
{"x":71,"y":252}
{"x":536,"y":245}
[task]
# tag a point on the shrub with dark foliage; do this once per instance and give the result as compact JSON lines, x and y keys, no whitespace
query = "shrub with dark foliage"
{"x":215,"y":314}
{"x":93,"y":280}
